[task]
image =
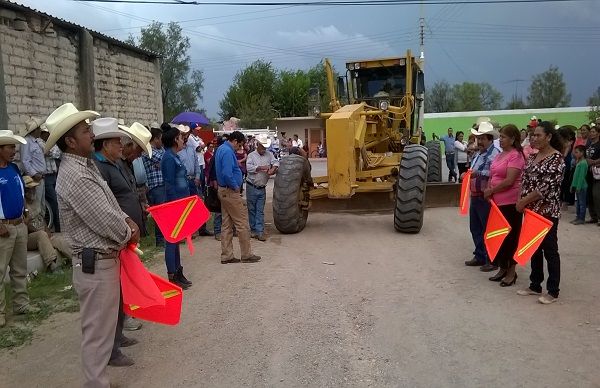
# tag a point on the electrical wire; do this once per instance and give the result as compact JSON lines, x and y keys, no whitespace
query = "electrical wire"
{"x":327,"y":3}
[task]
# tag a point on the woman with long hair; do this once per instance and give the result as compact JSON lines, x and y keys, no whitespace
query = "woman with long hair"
{"x":540,"y":193}
{"x":503,"y":189}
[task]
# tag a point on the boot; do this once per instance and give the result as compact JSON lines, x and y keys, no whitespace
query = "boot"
{"x":181,"y":277}
{"x":173,"y":278}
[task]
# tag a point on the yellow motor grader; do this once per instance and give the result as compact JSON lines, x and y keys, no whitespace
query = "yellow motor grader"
{"x":375,"y":159}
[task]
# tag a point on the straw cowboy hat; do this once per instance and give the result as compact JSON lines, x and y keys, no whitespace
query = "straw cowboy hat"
{"x":32,"y":124}
{"x":486,"y":128}
{"x":63,"y":119}
{"x":107,"y":128}
{"x":182,"y":128}
{"x":29,"y":182}
{"x":8,"y":137}
{"x":140,"y":135}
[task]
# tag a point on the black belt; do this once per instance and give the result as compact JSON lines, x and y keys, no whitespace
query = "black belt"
{"x":255,"y":186}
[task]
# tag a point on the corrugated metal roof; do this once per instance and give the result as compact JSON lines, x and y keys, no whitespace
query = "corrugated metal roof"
{"x":69,"y":25}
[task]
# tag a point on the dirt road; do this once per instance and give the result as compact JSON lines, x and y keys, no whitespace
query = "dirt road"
{"x":393,"y":311}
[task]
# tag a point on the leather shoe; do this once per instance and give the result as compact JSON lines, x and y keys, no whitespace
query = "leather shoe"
{"x":251,"y":259}
{"x":261,"y":237}
{"x":127,"y":342}
{"x":473,"y":263}
{"x":230,"y":261}
{"x":488,"y":268}
{"x":121,"y":360}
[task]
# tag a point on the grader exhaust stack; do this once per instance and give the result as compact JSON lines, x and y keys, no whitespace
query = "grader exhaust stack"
{"x":375,"y":160}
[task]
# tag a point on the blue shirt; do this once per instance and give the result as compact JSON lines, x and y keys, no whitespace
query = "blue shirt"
{"x":173,"y":172}
{"x":12,"y":193}
{"x":481,"y":165}
{"x":448,"y":143}
{"x":227,"y":167}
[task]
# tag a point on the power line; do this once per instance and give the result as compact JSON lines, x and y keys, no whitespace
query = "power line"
{"x":328,"y":3}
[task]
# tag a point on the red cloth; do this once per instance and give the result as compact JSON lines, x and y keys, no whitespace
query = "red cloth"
{"x":137,"y":285}
{"x":169,"y":313}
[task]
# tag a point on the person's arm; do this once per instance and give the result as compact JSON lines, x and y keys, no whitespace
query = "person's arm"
{"x":579,"y":176}
{"x":26,"y":158}
{"x":169,"y":169}
{"x":228,"y":161}
{"x":252,"y":166}
{"x":99,"y":216}
{"x":460,"y":146}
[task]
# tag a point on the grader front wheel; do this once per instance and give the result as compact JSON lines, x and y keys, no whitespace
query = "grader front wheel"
{"x":410,"y":190}
{"x":290,"y":199}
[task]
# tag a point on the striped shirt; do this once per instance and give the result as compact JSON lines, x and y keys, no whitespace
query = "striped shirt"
{"x":89,"y":213}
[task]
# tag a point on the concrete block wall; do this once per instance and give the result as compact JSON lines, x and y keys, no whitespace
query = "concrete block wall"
{"x":125,"y":84}
{"x":40,"y":71}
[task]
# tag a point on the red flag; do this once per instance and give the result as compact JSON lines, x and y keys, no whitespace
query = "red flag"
{"x":169,"y":313}
{"x":465,"y":194}
{"x":496,"y":230}
{"x":533,"y":231}
{"x":137,"y":285}
{"x":179,"y":219}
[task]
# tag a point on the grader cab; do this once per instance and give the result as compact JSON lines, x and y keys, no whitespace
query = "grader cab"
{"x":375,"y":160}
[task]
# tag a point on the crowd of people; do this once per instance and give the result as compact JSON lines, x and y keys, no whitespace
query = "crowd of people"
{"x":98,"y":177}
{"x":545,"y":168}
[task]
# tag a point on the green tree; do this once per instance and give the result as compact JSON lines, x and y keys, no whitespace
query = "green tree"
{"x":548,"y":90}
{"x":440,"y":98}
{"x":594,"y":104}
{"x":250,"y":96}
{"x":181,"y":88}
{"x":470,"y":96}
{"x":516,"y":103}
{"x":290,"y":94}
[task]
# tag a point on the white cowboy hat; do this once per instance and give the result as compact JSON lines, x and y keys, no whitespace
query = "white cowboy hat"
{"x":140,"y":135}
{"x":483,"y":120}
{"x":107,"y":128}
{"x":183,"y":128}
{"x":155,"y":124}
{"x":63,"y":119}
{"x":32,"y":124}
{"x":485,"y":128}
{"x":8,"y":137}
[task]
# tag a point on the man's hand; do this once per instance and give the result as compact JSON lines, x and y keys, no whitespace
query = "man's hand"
{"x":4,"y":231}
{"x":135,"y":231}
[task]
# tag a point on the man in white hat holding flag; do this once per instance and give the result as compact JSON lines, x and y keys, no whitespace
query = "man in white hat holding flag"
{"x":97,"y":229}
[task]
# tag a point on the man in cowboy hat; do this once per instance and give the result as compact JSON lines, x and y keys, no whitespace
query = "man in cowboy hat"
{"x":32,"y":156}
{"x":13,"y":232}
{"x":110,"y":140}
{"x":261,"y":164}
{"x":480,"y":207}
{"x":97,"y":229}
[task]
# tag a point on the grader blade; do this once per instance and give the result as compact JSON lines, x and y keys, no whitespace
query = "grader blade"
{"x":437,"y":195}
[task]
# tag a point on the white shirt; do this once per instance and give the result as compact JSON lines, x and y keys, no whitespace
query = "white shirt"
{"x":461,"y":152}
{"x":255,"y":160}
{"x":297,"y":143}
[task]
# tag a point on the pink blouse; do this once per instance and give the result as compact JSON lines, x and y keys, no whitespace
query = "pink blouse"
{"x":500,"y":166}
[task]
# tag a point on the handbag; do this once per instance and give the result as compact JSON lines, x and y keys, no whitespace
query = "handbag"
{"x":212,"y":201}
{"x":596,"y":172}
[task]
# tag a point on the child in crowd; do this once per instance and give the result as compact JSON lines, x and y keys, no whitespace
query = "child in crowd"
{"x":579,"y":184}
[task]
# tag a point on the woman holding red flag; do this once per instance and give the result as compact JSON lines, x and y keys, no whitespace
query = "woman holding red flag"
{"x":503,"y":189}
{"x":540,"y":193}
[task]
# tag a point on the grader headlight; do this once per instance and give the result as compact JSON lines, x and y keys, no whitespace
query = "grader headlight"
{"x":384,"y":105}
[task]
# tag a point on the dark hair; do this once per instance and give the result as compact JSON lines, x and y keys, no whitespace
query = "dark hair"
{"x":586,"y":126}
{"x":237,"y":136}
{"x":555,"y":140}
{"x":512,"y":131}
{"x":156,"y":133}
{"x":566,"y":133}
{"x":62,"y":142}
{"x":98,"y":145}
{"x":169,"y":136}
{"x":580,"y":148}
{"x":164,"y":127}
{"x":458,"y":134}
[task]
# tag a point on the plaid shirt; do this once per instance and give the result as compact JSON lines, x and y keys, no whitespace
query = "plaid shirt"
{"x":89,"y":213}
{"x":154,"y":176}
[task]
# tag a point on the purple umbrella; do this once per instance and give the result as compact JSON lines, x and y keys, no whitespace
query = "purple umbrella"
{"x":190,"y":117}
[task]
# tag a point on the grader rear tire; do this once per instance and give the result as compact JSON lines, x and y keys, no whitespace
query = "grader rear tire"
{"x":410,"y":190}
{"x":434,"y":153}
{"x":289,"y":208}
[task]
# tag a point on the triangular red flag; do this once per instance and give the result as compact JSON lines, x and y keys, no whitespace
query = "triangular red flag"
{"x":137,"y":285}
{"x":169,"y":313}
{"x":179,"y":219}
{"x":465,"y":194}
{"x":496,"y":230}
{"x":534,"y":229}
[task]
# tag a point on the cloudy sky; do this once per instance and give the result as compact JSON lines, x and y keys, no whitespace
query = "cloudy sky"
{"x":499,"y":43}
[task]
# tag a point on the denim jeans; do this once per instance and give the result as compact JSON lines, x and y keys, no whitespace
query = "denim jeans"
{"x":156,"y":196}
{"x":548,"y":250}
{"x":255,"y":199}
{"x":217,"y":223}
{"x":581,"y":204}
{"x":478,"y":216}
{"x":451,"y":163}
{"x":172,"y":257}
